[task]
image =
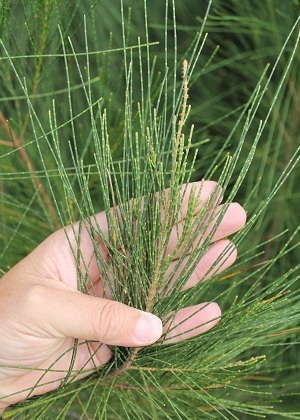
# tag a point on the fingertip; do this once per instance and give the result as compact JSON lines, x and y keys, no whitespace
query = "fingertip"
{"x":202,"y":193}
{"x":233,"y":219}
{"x":218,"y":257}
{"x":226,"y":251}
{"x":240,"y":215}
{"x":210,"y":190}
{"x":192,"y":321}
{"x":102,"y":353}
{"x":208,"y":315}
{"x":148,"y":329}
{"x":215,"y":312}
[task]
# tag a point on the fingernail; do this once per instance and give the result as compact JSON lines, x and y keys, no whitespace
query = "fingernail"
{"x":148,"y":329}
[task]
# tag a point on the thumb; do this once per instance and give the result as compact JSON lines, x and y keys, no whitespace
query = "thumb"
{"x":74,"y":314}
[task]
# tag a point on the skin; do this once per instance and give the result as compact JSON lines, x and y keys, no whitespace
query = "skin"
{"x":42,"y":312}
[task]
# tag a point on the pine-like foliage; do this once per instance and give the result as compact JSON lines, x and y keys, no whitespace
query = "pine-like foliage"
{"x":105,"y":103}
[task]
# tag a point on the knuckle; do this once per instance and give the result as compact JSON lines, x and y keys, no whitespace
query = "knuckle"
{"x":34,"y":295}
{"x":108,"y":322}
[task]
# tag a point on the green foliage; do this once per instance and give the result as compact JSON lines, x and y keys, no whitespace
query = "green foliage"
{"x":94,"y":112}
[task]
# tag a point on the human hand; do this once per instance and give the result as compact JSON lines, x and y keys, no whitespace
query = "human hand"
{"x":42,"y":312}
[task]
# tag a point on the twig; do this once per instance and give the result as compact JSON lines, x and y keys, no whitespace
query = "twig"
{"x":6,"y":143}
{"x":178,"y":141}
{"x":17,"y":144}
